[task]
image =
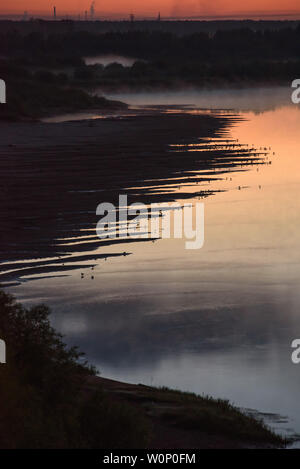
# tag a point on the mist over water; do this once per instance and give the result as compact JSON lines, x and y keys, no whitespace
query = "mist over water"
{"x":109,"y":59}
{"x":256,"y":100}
{"x":240,"y":100}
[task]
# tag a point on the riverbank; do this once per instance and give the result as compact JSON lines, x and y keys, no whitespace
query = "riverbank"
{"x":181,"y":420}
{"x":30,"y":100}
{"x":53,"y":399}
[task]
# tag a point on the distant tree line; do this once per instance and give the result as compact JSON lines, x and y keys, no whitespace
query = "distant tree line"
{"x":47,"y":73}
{"x":244,"y":43}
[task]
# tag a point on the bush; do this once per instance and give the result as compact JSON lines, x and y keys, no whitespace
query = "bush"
{"x":43,"y":401}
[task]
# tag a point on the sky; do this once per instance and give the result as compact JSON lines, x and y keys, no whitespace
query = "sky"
{"x":168,"y":8}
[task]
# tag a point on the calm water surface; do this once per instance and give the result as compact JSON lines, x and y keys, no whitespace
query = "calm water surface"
{"x":219,"y":320}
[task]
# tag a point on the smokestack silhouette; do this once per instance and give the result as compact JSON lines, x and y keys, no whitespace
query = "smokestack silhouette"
{"x":54,"y":13}
{"x":92,"y":10}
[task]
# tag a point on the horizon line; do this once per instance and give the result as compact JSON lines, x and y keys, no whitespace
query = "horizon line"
{"x":122,"y":15}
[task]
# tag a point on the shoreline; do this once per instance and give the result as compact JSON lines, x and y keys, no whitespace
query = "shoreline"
{"x":66,"y":405}
{"x":69,"y":168}
{"x":180,"y":420}
{"x":55,"y":148}
{"x":110,"y":107}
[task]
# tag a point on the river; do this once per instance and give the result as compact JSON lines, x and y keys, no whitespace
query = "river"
{"x":219,"y":320}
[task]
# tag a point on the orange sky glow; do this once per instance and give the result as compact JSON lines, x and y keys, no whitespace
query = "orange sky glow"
{"x":168,"y":8}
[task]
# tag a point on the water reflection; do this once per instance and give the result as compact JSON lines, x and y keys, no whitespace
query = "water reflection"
{"x":219,"y":320}
{"x":170,"y":171}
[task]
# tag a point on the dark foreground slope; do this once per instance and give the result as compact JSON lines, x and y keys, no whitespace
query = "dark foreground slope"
{"x":185,"y":420}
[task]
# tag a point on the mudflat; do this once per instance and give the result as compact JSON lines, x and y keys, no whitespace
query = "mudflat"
{"x":54,"y":175}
